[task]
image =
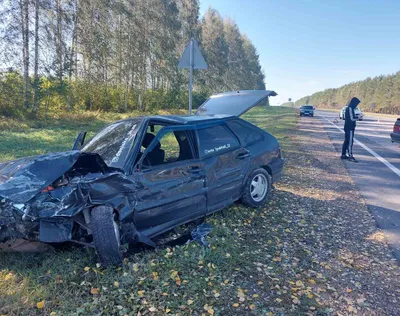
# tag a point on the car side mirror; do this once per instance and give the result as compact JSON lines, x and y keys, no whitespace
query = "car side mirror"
{"x":79,"y":141}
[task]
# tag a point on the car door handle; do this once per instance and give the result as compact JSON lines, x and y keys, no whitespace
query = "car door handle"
{"x":243,"y":155}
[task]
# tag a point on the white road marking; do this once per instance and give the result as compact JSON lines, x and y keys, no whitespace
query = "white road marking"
{"x":382,"y":160}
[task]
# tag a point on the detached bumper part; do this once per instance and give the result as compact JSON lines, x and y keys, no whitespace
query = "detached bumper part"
{"x":55,"y":230}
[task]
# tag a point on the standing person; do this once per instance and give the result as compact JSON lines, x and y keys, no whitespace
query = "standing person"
{"x":349,"y":128}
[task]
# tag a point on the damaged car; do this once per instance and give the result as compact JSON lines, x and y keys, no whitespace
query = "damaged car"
{"x":140,"y":177}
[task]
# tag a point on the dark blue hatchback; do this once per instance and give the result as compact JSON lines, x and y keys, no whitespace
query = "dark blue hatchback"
{"x":307,"y":110}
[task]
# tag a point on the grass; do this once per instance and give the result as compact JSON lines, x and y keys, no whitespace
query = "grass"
{"x":53,"y":133}
{"x":234,"y":275}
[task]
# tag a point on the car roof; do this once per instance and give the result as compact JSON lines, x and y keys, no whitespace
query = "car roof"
{"x":183,"y":119}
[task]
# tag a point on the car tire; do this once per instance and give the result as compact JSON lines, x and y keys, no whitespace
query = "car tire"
{"x":312,"y":115}
{"x":249,"y":195}
{"x":106,"y":235}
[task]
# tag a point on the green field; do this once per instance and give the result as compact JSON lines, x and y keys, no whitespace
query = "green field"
{"x":226,"y":278}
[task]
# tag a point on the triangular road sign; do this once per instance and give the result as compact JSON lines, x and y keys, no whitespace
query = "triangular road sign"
{"x":198,"y":59}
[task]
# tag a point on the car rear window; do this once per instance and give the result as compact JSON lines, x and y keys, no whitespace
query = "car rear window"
{"x":245,"y":133}
{"x":307,"y":107}
{"x":216,"y":139}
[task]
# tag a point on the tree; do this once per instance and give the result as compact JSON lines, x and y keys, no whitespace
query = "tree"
{"x":236,"y":71}
{"x":25,"y":48}
{"x":119,"y":54}
{"x":379,"y":94}
{"x":36,"y":60}
{"x":216,"y":51}
{"x":253,"y":71}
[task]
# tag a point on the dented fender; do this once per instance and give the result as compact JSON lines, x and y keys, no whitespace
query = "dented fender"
{"x":26,"y":202}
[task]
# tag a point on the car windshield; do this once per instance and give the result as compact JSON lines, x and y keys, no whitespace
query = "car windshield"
{"x":114,"y":141}
{"x":307,"y":107}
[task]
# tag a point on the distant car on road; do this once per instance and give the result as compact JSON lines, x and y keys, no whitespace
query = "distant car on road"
{"x":307,"y":110}
{"x":395,"y":136}
{"x":359,"y":115}
{"x":341,"y":113}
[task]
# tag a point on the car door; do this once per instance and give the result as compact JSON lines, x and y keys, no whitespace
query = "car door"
{"x":171,"y":190}
{"x":226,"y":164}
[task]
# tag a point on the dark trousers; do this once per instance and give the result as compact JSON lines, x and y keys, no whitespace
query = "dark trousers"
{"x":348,"y":142}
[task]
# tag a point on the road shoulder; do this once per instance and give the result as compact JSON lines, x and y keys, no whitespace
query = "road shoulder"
{"x":348,"y":251}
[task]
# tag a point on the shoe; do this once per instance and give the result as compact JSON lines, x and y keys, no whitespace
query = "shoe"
{"x":352,"y":159}
{"x":344,"y":157}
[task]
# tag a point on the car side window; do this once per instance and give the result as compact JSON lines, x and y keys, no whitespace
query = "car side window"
{"x":216,"y":139}
{"x":173,"y":146}
{"x":245,"y":133}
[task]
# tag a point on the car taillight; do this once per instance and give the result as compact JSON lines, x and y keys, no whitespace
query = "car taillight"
{"x":396,"y":127}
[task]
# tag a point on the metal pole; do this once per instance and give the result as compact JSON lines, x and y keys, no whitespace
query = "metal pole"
{"x":191,"y":76}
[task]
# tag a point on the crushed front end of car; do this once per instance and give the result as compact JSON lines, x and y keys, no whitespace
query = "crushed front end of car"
{"x":48,"y":198}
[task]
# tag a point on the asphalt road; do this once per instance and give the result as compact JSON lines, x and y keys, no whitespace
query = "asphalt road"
{"x":377,"y":174}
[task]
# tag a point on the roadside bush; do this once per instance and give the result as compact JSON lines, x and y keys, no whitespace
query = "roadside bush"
{"x":82,"y":95}
{"x":11,"y":94}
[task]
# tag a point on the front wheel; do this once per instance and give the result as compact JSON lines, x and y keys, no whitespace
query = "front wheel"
{"x":106,"y":236}
{"x":256,"y":188}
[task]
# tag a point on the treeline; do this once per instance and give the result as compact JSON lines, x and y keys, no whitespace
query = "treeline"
{"x":380,"y":94}
{"x":116,"y":55}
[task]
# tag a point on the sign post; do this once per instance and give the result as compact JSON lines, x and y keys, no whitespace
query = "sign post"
{"x":191,"y":76}
{"x":192,"y":59}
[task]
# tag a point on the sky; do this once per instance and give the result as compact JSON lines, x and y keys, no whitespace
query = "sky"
{"x":306,"y":46}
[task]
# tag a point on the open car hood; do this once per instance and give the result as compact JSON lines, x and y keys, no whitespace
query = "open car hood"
{"x":233,"y":103}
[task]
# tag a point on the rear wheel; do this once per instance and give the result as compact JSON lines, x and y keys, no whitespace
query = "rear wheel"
{"x":106,"y":236}
{"x":256,"y":188}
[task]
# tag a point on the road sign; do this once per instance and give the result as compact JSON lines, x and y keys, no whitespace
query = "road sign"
{"x":192,"y":59}
{"x":197,"y":61}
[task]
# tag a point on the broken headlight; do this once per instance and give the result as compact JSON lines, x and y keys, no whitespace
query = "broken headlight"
{"x":63,"y":181}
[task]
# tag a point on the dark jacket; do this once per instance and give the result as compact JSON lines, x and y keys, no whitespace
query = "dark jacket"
{"x":350,"y":117}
